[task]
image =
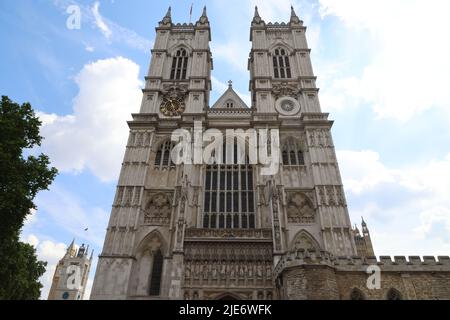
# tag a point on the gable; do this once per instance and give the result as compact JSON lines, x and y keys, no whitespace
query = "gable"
{"x":230,"y":100}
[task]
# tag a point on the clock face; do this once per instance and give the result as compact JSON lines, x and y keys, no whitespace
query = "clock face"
{"x":172,"y":107}
{"x":287,"y":106}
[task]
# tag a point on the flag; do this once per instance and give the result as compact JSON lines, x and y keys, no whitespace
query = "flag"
{"x":190,"y":12}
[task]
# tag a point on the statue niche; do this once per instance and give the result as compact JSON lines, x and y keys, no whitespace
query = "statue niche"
{"x":299,"y":209}
{"x":158,"y":209}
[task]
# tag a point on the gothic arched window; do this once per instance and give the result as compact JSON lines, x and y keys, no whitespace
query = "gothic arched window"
{"x":163,"y":158}
{"x":179,"y":65}
{"x":281,"y":65}
{"x":155,"y":278}
{"x":357,"y":294}
{"x":229,"y":195}
{"x":393,"y":294}
{"x":292,"y":155}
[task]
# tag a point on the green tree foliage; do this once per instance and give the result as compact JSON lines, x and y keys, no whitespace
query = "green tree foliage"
{"x":20,"y":180}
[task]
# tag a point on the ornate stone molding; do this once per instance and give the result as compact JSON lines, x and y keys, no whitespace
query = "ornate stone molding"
{"x":228,"y":234}
{"x":285,"y":90}
{"x":330,"y":196}
{"x":174,"y":91}
{"x":158,"y":208}
{"x":299,"y":208}
{"x":229,"y":251}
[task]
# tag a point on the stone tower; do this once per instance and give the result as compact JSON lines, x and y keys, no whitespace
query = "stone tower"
{"x":363,"y":241}
{"x":214,"y":230}
{"x":313,"y":211}
{"x":71,"y":274}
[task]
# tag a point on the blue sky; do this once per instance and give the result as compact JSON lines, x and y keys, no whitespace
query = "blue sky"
{"x":382,"y":68}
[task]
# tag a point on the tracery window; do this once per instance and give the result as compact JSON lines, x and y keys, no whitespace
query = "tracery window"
{"x":229,"y":195}
{"x":163,"y":158}
{"x":281,"y":65}
{"x":292,"y":154}
{"x":179,"y":65}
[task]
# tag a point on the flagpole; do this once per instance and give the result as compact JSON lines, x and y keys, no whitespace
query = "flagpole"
{"x":190,"y":13}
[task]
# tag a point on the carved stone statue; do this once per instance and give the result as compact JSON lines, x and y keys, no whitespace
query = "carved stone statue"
{"x":259,"y":271}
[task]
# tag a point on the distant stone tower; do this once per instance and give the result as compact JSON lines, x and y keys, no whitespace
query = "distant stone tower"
{"x":363,"y":241}
{"x":75,"y":263}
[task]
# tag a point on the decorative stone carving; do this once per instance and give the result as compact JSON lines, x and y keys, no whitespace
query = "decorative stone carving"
{"x":229,"y":233}
{"x":119,"y":197}
{"x":225,"y":251}
{"x":299,"y":209}
{"x":284,"y":90}
{"x":320,"y":138}
{"x":321,"y":195}
{"x":304,"y":241}
{"x":159,"y":208}
{"x":128,"y":196}
{"x":180,"y":228}
{"x":340,"y":196}
{"x":220,"y":273}
{"x":331,"y":196}
{"x":137,"y":196}
{"x":276,"y":227}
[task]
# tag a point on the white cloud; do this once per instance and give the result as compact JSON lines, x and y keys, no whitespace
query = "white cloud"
{"x":99,"y":22}
{"x":410,"y":204}
{"x":71,"y":215}
{"x":363,"y":170}
{"x":31,"y":239}
{"x":93,"y":136}
{"x":409,"y":69}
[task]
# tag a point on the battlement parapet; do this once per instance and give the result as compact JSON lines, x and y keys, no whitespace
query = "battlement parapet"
{"x":357,"y":263}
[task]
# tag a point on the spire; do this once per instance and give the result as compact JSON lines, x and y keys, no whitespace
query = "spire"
{"x":294,"y":18}
{"x":169,"y":13}
{"x":293,"y":12}
{"x":230,"y":84}
{"x":256,"y":13}
{"x":365,"y":230}
{"x":71,"y":249}
{"x":92,"y":254}
{"x":204,"y":17}
{"x":167,"y":20}
{"x":256,"y":17}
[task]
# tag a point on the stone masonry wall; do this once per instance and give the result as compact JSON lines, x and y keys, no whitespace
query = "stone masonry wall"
{"x":320,"y":276}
